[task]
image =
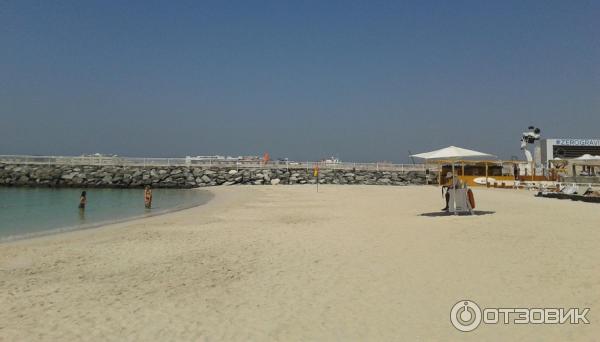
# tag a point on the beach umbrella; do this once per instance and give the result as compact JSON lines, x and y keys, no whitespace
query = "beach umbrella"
{"x":453,"y":153}
{"x":588,"y":157}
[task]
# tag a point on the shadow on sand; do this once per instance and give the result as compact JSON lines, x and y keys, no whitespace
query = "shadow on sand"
{"x":445,"y":213}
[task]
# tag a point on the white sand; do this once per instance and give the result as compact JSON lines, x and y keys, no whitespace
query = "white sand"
{"x":285,"y":263}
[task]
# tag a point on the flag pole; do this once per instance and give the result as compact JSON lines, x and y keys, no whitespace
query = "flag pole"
{"x":453,"y":188}
{"x":316,"y":174}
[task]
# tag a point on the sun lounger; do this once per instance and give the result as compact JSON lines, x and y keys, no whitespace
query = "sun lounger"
{"x":549,"y":188}
{"x":569,"y":189}
{"x":573,"y":192}
{"x":583,"y":189}
{"x":509,"y":184}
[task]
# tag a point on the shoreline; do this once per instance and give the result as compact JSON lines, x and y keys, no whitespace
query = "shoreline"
{"x":101,"y":224}
{"x":291,"y":264}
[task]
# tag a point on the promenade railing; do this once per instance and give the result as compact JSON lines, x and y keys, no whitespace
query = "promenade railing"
{"x":234,"y":164}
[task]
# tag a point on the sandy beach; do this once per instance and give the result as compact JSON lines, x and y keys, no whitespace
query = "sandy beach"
{"x":286,"y":263}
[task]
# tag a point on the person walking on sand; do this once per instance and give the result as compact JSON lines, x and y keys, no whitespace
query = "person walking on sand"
{"x":82,"y":200}
{"x":148,"y":197}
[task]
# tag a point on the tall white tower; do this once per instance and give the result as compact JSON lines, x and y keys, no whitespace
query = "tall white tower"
{"x":532,"y":137}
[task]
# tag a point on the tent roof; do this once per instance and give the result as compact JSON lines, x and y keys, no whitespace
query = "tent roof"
{"x":452,"y":152}
{"x":588,"y":157}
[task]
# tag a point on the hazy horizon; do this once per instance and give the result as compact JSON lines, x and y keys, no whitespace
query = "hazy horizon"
{"x":364,"y":81}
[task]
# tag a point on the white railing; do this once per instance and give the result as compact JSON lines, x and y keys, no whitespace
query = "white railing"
{"x":236,"y":164}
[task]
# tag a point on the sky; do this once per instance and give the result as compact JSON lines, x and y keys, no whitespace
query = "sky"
{"x":362,"y":80}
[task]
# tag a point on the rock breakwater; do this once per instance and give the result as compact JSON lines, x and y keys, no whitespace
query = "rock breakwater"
{"x":190,"y":177}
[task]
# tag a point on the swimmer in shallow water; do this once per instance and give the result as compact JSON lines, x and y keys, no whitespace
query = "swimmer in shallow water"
{"x":148,"y":197}
{"x":82,"y":200}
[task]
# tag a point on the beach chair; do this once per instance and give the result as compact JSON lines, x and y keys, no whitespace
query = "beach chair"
{"x":583,"y":189}
{"x":569,"y":189}
{"x":530,"y":186}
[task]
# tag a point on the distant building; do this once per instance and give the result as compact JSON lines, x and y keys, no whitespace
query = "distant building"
{"x":332,"y":160}
{"x":568,"y":148}
{"x":221,"y":158}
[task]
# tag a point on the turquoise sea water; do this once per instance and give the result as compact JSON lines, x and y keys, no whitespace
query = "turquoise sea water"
{"x":26,"y":212}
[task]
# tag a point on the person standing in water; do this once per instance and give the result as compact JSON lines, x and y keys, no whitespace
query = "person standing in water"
{"x":82,"y":200}
{"x":148,"y":197}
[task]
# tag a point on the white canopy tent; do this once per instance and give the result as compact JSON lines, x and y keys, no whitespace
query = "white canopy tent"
{"x":588,"y":157}
{"x":452,"y":153}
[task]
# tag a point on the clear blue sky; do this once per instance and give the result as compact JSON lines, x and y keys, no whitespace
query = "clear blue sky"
{"x":366,"y":81}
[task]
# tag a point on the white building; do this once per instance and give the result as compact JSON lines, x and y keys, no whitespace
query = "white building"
{"x":568,"y":148}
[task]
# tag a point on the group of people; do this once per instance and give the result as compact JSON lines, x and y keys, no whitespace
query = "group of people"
{"x":147,"y":198}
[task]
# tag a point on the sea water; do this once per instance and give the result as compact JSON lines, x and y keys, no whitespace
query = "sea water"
{"x":26,"y":212}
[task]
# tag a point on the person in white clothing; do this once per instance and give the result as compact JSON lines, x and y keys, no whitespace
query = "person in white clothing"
{"x":454,"y":184}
